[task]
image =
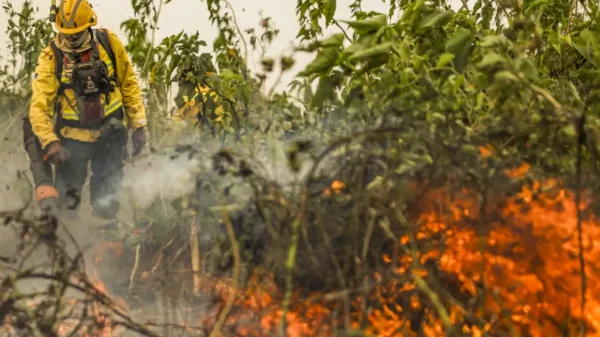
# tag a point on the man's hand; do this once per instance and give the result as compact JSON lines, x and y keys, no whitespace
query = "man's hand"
{"x":56,"y":153}
{"x":139,"y":140}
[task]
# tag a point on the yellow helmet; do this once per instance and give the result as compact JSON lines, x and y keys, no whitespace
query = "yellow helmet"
{"x":75,"y":16}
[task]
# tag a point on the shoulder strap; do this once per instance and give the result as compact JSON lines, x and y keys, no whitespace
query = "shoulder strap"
{"x":58,"y":69}
{"x":58,"y":60}
{"x":102,"y":35}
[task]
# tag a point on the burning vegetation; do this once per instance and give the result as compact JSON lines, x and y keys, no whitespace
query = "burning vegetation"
{"x":444,"y":184}
{"x":448,"y":263}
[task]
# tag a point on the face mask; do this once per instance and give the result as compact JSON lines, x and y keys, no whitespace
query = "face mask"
{"x":76,"y":40}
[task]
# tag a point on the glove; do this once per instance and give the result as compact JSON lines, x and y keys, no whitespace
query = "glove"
{"x":138,"y":138}
{"x":56,"y":153}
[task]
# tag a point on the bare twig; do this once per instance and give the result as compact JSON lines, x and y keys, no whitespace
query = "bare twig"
{"x":433,"y":297}
{"x":216,"y":332}
{"x":237,"y":27}
{"x":290,"y":265}
{"x":135,"y":267}
{"x":195,"y":252}
{"x":580,"y":143}
{"x":154,"y":28}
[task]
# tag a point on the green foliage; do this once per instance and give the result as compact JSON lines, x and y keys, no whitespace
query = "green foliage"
{"x":27,"y":36}
{"x":475,"y":78}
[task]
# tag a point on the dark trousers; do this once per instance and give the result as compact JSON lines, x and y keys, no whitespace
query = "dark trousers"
{"x":106,"y":156}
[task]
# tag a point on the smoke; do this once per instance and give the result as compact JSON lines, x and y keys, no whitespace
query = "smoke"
{"x":164,"y":175}
{"x":171,"y":172}
{"x":14,"y":180}
{"x":161,"y":175}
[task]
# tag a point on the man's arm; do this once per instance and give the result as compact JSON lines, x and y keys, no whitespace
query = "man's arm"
{"x":130,"y":88}
{"x":44,"y":87}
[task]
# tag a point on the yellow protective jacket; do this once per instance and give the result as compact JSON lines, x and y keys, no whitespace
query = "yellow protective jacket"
{"x":45,"y":88}
{"x":192,"y":106}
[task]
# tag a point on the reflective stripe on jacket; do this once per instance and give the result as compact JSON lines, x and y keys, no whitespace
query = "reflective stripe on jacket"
{"x":113,"y":105}
{"x":45,"y":87}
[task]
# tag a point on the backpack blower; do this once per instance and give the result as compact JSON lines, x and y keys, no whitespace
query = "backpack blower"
{"x":45,"y":192}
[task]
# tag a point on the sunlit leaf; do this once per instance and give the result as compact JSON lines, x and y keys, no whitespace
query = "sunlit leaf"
{"x":325,"y":59}
{"x":334,"y":40}
{"x":491,"y":60}
{"x":444,"y":59}
{"x":506,"y":76}
{"x":384,"y":48}
{"x":528,"y":69}
{"x":491,"y":41}
{"x":435,"y":19}
{"x":369,"y":25}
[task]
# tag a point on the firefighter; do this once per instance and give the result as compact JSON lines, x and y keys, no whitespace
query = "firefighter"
{"x":84,"y":80}
{"x":195,"y":100}
{"x":193,"y":107}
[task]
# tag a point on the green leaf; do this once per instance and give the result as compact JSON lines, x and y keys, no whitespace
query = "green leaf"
{"x":480,"y":97}
{"x":533,"y":5}
{"x":435,"y":117}
{"x":528,"y":69}
{"x":405,"y":50}
{"x":375,"y":61}
{"x":569,"y":131}
{"x":330,"y":11}
{"x":435,"y":19}
{"x":380,"y":49}
{"x":486,"y":14}
{"x":491,"y":41}
{"x":356,"y":107}
{"x":444,"y":59}
{"x":458,"y":83}
{"x":506,"y":76}
{"x":476,"y":7}
{"x":369,"y":25}
{"x":405,"y":167}
{"x":459,"y":44}
{"x":491,"y":60}
{"x":554,"y":39}
{"x":470,"y":149}
{"x":574,"y":93}
{"x":376,"y":183}
{"x":334,"y":40}
{"x":588,"y":37}
{"x":360,"y":44}
{"x":427,"y":159}
{"x":324,"y":90}
{"x":324,"y":60}
{"x":585,"y":43}
{"x":412,"y":162}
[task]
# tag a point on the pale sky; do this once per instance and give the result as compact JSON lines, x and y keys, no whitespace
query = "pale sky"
{"x":192,"y":16}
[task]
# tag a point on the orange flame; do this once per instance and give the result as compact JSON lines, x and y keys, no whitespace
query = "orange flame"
{"x":528,"y":263}
{"x":521,"y":266}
